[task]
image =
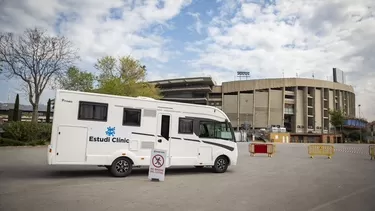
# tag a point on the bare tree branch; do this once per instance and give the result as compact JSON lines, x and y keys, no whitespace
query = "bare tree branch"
{"x":35,"y":58}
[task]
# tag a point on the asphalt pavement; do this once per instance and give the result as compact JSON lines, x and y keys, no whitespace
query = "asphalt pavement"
{"x":290,"y":180}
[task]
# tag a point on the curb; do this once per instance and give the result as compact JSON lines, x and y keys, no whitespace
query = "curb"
{"x":10,"y":147}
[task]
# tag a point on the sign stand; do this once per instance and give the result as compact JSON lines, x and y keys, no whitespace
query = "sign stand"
{"x":156,"y":171}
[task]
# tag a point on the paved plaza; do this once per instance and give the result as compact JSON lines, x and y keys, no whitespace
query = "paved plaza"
{"x":290,"y":180}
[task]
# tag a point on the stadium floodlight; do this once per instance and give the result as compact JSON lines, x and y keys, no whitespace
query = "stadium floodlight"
{"x":241,"y":74}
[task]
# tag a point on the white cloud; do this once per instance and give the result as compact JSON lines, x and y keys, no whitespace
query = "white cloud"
{"x":303,"y":37}
{"x":97,"y":28}
{"x":198,"y":23}
{"x":291,"y":36}
{"x":89,"y":25}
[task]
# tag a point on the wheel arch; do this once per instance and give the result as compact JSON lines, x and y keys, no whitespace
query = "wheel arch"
{"x":121,"y":154}
{"x":124,"y":156}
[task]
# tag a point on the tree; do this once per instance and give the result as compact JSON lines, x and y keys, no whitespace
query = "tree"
{"x":107,"y":67}
{"x":48,"y":115}
{"x":337,"y":119}
{"x":1,"y":61}
{"x":35,"y":58}
{"x":77,"y":80}
{"x":16,"y":109}
{"x":125,"y":77}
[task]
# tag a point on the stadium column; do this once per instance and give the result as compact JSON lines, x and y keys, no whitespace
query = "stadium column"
{"x":343,"y":101}
{"x":305,"y":109}
{"x":352,"y":97}
{"x":351,"y":102}
{"x":296,"y":111}
{"x":314,"y":109}
{"x":354,"y":105}
{"x":339,"y":100}
{"x":253,"y":123}
{"x":222,"y":100}
{"x":238,"y":110}
{"x":348,"y":103}
{"x":322,"y":95}
{"x":283,"y":107}
{"x":329,"y":116}
{"x":269,"y":108}
{"x":334,"y":108}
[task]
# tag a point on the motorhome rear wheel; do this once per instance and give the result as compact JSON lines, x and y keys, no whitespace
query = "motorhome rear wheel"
{"x":121,"y":167}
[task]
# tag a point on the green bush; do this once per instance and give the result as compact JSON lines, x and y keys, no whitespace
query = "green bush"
{"x":44,"y":130}
{"x":10,"y":142}
{"x":27,"y":132}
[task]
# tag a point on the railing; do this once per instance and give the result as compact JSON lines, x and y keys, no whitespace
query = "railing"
{"x":186,"y":99}
{"x":28,"y":119}
{"x":208,"y":88}
{"x":327,"y":150}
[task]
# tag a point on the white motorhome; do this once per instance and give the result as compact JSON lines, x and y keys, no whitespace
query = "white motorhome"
{"x":119,"y":132}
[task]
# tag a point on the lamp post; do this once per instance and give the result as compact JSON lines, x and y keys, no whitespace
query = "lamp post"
{"x":359,"y":110}
{"x":360,"y":128}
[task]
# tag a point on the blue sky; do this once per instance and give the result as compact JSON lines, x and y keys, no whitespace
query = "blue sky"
{"x":182,"y":38}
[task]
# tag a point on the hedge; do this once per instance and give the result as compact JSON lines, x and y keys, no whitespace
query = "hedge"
{"x":29,"y":133}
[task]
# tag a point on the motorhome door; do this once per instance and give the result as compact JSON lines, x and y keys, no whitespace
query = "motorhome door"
{"x":71,"y":144}
{"x":163,"y":134}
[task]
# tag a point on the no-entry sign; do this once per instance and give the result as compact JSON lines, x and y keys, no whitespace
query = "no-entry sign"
{"x":157,"y":165}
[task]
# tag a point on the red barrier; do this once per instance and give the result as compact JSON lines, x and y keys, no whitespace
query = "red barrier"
{"x":262,"y":149}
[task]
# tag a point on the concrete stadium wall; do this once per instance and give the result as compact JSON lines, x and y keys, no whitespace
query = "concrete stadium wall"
{"x":230,"y":108}
{"x":246,"y":108}
{"x":234,"y":86}
{"x":276,"y":107}
{"x":263,"y":102}
{"x":261,"y":109}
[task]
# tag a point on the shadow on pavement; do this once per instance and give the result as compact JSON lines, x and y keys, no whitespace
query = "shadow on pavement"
{"x":96,"y":173}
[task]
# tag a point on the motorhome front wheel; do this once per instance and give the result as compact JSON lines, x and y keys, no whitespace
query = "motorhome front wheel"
{"x":221,"y":164}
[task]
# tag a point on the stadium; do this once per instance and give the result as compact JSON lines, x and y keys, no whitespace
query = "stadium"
{"x":301,"y":105}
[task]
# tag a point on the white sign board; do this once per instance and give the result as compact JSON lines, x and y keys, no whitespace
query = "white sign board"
{"x":157,"y":164}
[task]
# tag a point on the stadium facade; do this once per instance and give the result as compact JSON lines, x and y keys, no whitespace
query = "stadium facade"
{"x":301,"y":105}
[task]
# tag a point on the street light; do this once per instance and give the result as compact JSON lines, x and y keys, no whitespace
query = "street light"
{"x":360,"y":128}
{"x":359,"y":110}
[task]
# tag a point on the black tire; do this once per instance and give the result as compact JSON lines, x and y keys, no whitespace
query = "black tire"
{"x":121,"y":167}
{"x":221,"y":164}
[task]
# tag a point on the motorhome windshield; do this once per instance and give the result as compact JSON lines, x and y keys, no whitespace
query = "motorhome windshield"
{"x":219,"y":130}
{"x":231,"y":130}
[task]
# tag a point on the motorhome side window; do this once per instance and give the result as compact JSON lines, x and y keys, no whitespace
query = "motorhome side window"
{"x":131,"y":117}
{"x":217,"y":130}
{"x":92,"y":111}
{"x":185,"y":126}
